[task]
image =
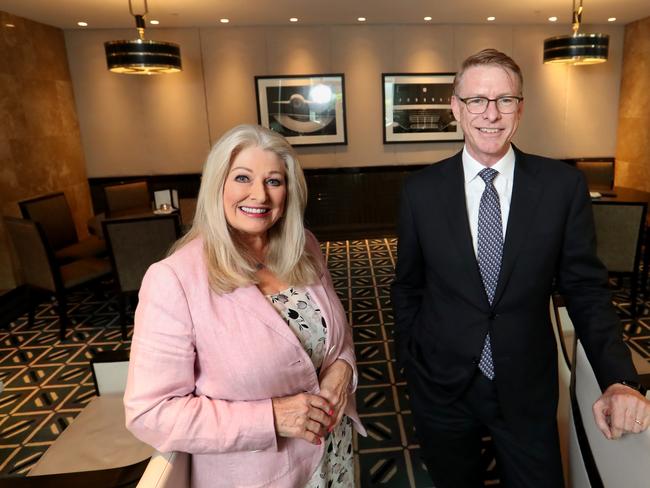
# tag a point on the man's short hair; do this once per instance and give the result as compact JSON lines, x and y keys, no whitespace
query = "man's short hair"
{"x":489,"y":57}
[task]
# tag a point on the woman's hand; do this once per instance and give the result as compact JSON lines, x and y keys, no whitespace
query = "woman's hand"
{"x":303,"y":415}
{"x":334,"y":383}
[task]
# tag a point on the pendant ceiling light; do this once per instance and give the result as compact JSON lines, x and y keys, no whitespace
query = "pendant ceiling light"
{"x":142,"y":56}
{"x":578,"y":48}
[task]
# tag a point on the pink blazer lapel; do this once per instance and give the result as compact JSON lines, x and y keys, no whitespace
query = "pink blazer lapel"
{"x":251,"y":299}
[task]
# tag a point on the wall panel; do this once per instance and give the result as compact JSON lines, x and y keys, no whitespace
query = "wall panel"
{"x":559,"y":119}
{"x":40,"y":145}
{"x":139,"y":124}
{"x":633,"y":144}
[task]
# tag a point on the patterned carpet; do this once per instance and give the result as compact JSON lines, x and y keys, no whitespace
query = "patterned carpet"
{"x":48,"y":382}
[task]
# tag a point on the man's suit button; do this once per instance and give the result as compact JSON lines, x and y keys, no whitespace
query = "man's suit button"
{"x":475,"y":360}
{"x":493,"y":316}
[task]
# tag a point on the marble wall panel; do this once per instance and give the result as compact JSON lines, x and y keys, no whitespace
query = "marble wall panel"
{"x":633,"y":141}
{"x":40,"y":145}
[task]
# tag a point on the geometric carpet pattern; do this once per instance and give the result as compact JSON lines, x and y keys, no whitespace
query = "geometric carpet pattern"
{"x":48,"y":382}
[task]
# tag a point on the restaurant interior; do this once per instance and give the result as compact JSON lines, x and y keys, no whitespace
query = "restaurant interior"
{"x":100,"y":170}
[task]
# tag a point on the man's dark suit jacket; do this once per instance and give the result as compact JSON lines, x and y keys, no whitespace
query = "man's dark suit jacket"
{"x":442,"y":314}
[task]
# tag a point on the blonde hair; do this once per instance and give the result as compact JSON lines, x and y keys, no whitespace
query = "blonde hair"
{"x":490,"y":57}
{"x":229,"y":264}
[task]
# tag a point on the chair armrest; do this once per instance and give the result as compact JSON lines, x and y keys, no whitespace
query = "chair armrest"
{"x":167,"y":470}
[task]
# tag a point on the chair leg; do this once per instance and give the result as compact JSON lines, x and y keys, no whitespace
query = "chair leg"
{"x":31,"y":306}
{"x":122,"y":301}
{"x":634,"y":290}
{"x":63,"y":314}
{"x":646,"y":263}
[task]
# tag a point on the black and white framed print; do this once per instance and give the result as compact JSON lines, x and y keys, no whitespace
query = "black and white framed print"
{"x":417,"y":108}
{"x":306,"y":109}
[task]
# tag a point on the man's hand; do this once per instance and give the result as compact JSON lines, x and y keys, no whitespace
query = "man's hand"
{"x":334,"y":382}
{"x":621,"y":410}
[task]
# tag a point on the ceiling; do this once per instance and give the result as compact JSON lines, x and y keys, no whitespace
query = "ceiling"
{"x":187,"y":13}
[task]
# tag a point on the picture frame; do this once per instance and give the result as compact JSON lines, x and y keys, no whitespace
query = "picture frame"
{"x":417,"y":108}
{"x":308,"y":110}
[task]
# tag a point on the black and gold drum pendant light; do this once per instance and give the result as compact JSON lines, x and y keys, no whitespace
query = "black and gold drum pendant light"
{"x":142,"y":56}
{"x":577,"y":49}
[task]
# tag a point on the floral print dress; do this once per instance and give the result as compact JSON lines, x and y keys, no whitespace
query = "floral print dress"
{"x":305,"y":320}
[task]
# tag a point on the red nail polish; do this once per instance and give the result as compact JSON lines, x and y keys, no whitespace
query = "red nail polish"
{"x":318,"y":442}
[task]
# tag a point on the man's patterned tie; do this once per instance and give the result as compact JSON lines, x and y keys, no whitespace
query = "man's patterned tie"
{"x":490,"y":249}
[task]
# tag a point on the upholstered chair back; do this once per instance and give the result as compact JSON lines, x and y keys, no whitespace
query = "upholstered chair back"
{"x":28,"y":243}
{"x":127,"y":197}
{"x":53,"y":214}
{"x":188,"y":209}
{"x":619,"y":228}
{"x":136,"y":243}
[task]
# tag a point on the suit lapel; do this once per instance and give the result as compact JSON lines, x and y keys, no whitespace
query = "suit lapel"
{"x":452,"y":192}
{"x":526,"y":191}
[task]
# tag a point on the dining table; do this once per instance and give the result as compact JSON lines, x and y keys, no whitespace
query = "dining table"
{"x":621,"y":194}
{"x":94,"y":224}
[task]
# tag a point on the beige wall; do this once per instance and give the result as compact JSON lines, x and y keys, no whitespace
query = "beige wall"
{"x":148,"y":125}
{"x":633,"y":149}
{"x":40,"y":145}
{"x":138,"y":124}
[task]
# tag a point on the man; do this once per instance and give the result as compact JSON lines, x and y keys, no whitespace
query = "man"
{"x":483,"y":236}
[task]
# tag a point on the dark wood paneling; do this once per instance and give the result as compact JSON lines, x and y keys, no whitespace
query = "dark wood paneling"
{"x":187,"y":186}
{"x":343,"y":203}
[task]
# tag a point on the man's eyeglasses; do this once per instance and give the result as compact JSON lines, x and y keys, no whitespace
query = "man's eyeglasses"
{"x":478,"y":105}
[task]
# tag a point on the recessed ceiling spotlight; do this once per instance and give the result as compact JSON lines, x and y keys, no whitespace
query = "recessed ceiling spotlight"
{"x":82,"y":24}
{"x":491,"y":19}
{"x":361,"y":19}
{"x":154,"y":22}
{"x":427,"y":18}
{"x":293,"y":19}
{"x":224,"y":21}
{"x":552,"y":19}
{"x":611,"y":19}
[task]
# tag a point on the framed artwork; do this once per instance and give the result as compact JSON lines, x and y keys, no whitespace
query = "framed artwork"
{"x":417,"y":108}
{"x":308,"y":110}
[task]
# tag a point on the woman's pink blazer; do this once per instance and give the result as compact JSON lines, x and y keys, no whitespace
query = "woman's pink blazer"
{"x":204,"y":368}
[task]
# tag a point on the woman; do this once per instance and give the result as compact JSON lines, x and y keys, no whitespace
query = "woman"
{"x":241,"y":354}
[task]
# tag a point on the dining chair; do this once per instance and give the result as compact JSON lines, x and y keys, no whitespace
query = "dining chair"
{"x":167,"y":470}
{"x":619,"y":233}
{"x":53,"y":213}
{"x":564,"y":337}
{"x":596,"y":461}
{"x":41,"y":271}
{"x":134,"y":244}
{"x":127,"y":199}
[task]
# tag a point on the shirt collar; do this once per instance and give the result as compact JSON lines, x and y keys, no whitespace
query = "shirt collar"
{"x":505,"y":166}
